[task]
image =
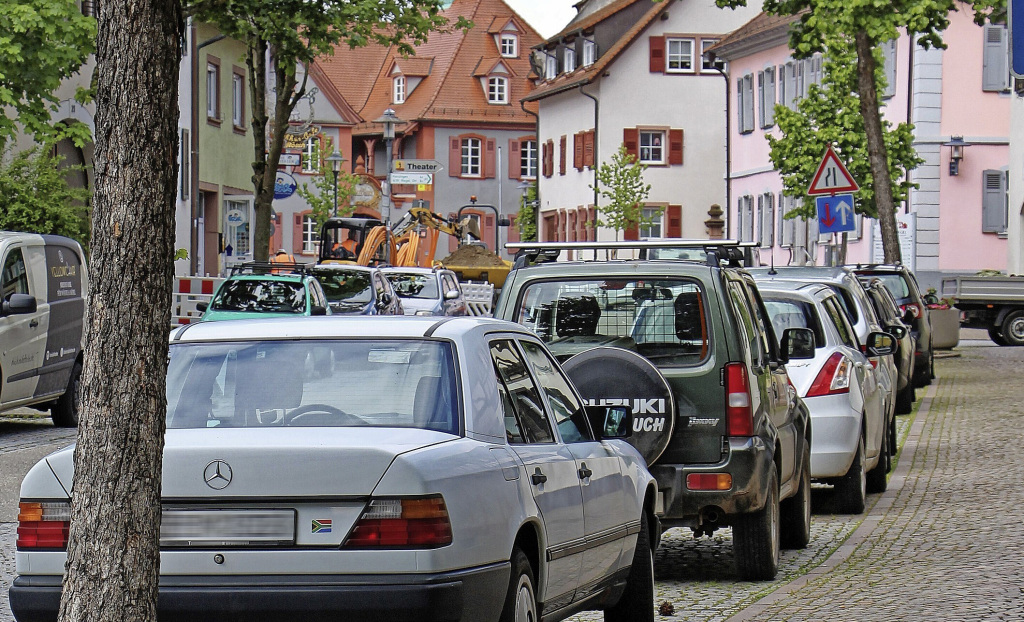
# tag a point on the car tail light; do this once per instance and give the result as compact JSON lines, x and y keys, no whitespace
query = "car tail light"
{"x":43,"y":525}
{"x":914,"y":308}
{"x":420,"y":523}
{"x":708,"y":481}
{"x":833,"y":378}
{"x":739,"y":415}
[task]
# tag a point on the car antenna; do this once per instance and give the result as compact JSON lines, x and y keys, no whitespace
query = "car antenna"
{"x":771,"y":270}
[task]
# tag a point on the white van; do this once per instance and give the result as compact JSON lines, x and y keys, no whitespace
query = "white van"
{"x":43,"y":288}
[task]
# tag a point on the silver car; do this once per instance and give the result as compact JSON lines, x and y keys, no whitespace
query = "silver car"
{"x":427,"y":291}
{"x":849,"y":435}
{"x":363,"y":468}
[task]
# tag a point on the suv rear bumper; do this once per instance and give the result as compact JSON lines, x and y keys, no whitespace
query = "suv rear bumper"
{"x":748,"y":462}
{"x":473,"y":594}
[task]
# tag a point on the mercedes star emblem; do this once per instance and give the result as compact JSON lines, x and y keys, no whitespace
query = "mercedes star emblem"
{"x":217,"y":475}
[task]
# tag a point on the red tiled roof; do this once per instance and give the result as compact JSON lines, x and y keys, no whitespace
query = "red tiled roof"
{"x":348,"y":67}
{"x":763,"y":24}
{"x":416,"y":66}
{"x":330,"y":91}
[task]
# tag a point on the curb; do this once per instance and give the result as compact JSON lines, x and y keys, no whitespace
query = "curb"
{"x":873,"y":514}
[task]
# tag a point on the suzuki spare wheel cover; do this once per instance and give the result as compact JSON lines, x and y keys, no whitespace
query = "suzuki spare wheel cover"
{"x":608,"y":376}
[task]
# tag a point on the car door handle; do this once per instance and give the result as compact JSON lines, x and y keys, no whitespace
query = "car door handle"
{"x":33,"y":323}
{"x":583,"y":471}
{"x":538,"y":477}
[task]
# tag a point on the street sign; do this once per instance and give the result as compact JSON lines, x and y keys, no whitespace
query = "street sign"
{"x":835,"y":214}
{"x":832,"y":176}
{"x":415,"y":179}
{"x":418,"y":166}
{"x":1016,"y":21}
{"x":290,"y":159}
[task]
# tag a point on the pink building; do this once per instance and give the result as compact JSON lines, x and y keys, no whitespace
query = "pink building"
{"x":956,"y":221}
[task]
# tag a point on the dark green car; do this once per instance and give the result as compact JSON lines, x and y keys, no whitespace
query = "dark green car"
{"x":266,"y":294}
{"x":728,"y":439}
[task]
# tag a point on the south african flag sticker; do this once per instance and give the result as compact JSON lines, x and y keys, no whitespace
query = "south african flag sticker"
{"x":321,"y":525}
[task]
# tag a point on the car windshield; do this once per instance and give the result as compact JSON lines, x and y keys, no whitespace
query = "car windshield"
{"x":414,"y":285}
{"x":895,"y":284}
{"x":793,"y":314}
{"x":345,"y":285}
{"x":662,"y":319}
{"x":270,"y":296}
{"x":329,"y":383}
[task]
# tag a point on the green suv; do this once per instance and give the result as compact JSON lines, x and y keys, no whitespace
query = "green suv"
{"x":266,"y":290}
{"x":688,"y":345}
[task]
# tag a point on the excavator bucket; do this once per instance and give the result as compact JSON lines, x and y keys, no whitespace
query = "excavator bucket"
{"x":471,"y":226}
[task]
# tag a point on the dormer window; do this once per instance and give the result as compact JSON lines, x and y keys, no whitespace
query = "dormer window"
{"x":569,"y":60}
{"x":398,"y":94}
{"x":550,"y":67}
{"x":589,"y":53}
{"x":509,"y":45}
{"x":497,"y":90}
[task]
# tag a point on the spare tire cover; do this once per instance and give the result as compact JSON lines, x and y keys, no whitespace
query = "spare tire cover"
{"x":608,"y":376}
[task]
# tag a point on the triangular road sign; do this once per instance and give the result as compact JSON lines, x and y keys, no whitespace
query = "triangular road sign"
{"x":832,"y":176}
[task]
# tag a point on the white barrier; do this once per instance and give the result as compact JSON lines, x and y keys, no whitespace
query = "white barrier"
{"x":479,"y":298}
{"x":188,"y":292}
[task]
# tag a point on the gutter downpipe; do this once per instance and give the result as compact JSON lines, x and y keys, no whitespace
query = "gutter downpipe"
{"x":597,"y":109}
{"x":194,"y":139}
{"x":910,"y":107}
{"x":728,"y":151}
{"x":536,"y":133}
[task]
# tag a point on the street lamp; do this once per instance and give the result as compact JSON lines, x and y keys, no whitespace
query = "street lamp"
{"x":335,"y":159}
{"x":389,"y":119}
{"x":956,"y":146}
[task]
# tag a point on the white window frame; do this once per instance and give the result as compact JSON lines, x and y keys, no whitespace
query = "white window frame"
{"x":509,"y":44}
{"x":589,"y":52}
{"x":651,"y":153}
{"x":311,"y":156}
{"x":654,"y":229}
{"x":497,"y":90}
{"x":550,"y":67}
{"x":528,"y":159}
{"x":310,"y":235}
{"x":398,"y":90}
{"x":569,"y":60}
{"x":472,"y":157}
{"x":680,"y":56}
{"x":212,"y":92}
{"x":237,"y":100}
{"x":705,"y":64}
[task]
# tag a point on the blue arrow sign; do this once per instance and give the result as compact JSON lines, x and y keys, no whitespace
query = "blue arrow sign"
{"x":835,"y":214}
{"x":1016,"y":19}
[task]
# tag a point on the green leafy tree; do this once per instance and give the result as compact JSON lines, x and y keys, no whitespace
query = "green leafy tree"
{"x":620,"y":183}
{"x":526,"y":221}
{"x":35,"y":196}
{"x":321,"y":197}
{"x":830,"y":115}
{"x":865,"y":25}
{"x":42,"y":42}
{"x":292,"y":33}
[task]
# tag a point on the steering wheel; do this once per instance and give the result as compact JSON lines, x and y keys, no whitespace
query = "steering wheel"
{"x":323,"y":409}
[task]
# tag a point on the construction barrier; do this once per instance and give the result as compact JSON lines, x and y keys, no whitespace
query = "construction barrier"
{"x":479,"y":298}
{"x":188,"y":292}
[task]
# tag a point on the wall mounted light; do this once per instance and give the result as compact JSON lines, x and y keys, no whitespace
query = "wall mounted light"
{"x":956,"y":146}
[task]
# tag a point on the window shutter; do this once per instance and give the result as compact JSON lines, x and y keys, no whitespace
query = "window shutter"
{"x":761,"y":108}
{"x":739,"y":105}
{"x":748,"y":101}
{"x":455,"y":157}
{"x":993,"y":202}
{"x":759,"y":229}
{"x":674,"y":221}
{"x":489,"y":165}
{"x":769,"y":106}
{"x":631,"y":138}
{"x":544,"y":160}
{"x":790,"y":86}
{"x":549,"y":158}
{"x":588,"y":148}
{"x":657,"y":50}
{"x":514,"y":162}
{"x":994,"y":70}
{"x":632,"y":234}
{"x":889,"y":67}
{"x":296,"y":234}
{"x":577,"y":151}
{"x":675,"y":146}
{"x":561,"y":155}
{"x":767,"y":220}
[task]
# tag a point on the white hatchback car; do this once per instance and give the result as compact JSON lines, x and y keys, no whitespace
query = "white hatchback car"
{"x":371,"y":469}
{"x":849,"y":436}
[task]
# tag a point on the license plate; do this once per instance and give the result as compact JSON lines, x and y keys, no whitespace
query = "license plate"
{"x":205,"y":528}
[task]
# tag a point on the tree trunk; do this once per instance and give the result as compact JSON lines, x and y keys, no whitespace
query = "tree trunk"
{"x":877,"y":157}
{"x":113,"y":554}
{"x":256,"y":60}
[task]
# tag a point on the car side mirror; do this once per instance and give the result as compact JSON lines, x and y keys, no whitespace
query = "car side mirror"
{"x":202,"y":306}
{"x":898,"y":332}
{"x":909,"y":317}
{"x":880,"y":344}
{"x":317,"y":310}
{"x":616,"y":421}
{"x":797,"y":343}
{"x":451,"y":294}
{"x":18,"y":304}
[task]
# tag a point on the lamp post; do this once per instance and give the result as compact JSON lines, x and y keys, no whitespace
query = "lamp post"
{"x":335,"y":159}
{"x":389,"y":119}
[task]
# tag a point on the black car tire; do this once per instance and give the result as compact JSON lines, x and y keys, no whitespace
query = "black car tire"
{"x":893,"y":447}
{"x":905,"y":399}
{"x":755,"y":537}
{"x":795,"y":512}
{"x":64,"y":411}
{"x":852,"y":488}
{"x":521,"y":599}
{"x":997,"y":337}
{"x":637,"y":600}
{"x":1013,"y":329}
{"x":876,"y":477}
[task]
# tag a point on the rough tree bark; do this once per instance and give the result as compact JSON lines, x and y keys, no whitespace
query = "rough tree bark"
{"x":877,"y":157}
{"x":113,"y":554}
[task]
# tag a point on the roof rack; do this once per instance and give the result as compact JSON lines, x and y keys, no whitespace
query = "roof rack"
{"x":733,"y":251}
{"x":269,"y":267}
